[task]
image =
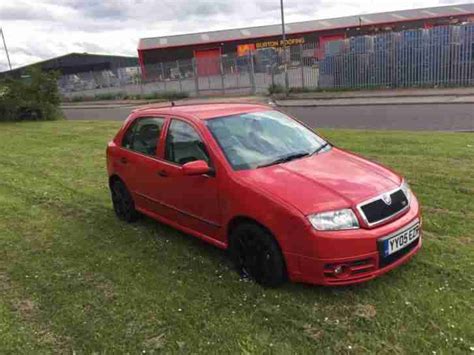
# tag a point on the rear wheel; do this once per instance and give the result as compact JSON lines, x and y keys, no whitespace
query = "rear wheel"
{"x":122,"y":200}
{"x":257,"y":255}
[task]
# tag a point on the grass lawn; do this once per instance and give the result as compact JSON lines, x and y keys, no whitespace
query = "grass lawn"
{"x":74,"y":278}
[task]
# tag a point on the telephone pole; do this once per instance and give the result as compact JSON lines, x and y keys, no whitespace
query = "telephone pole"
{"x":285,"y":59}
{"x":6,"y":49}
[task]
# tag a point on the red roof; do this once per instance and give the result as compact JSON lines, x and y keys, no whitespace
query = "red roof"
{"x":204,"y":111}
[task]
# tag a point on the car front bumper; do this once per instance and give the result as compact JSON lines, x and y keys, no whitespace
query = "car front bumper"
{"x":355,"y":251}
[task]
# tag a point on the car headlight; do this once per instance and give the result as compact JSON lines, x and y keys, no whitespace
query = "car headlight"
{"x":406,"y":190}
{"x":334,"y":220}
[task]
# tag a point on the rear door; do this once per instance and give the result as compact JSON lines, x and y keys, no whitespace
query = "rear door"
{"x":138,"y":163}
{"x":191,"y":201}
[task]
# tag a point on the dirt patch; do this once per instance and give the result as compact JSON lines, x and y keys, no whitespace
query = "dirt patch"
{"x":49,"y":338}
{"x":366,"y":311}
{"x":465,"y":240}
{"x":107,"y":290}
{"x":155,"y":343}
{"x":440,"y":210}
{"x":435,"y":209}
{"x":105,"y":286}
{"x":25,"y":307}
{"x":313,"y":332}
{"x":27,"y":310}
{"x":4,"y":281}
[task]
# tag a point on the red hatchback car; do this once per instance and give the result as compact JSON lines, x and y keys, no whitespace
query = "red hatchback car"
{"x":248,"y":178}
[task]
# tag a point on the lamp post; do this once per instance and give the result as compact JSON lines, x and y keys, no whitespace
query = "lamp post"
{"x":6,"y":49}
{"x":285,"y":57}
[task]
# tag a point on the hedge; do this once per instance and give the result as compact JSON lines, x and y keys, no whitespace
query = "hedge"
{"x":33,"y":97}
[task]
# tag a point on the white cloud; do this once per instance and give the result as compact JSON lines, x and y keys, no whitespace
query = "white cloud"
{"x":40,"y":29}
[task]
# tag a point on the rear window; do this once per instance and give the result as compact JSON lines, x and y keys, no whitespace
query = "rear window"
{"x":143,"y":135}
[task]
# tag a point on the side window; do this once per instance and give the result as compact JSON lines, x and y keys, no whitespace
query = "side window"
{"x":128,"y":136}
{"x":142,"y":136}
{"x":183,"y":144}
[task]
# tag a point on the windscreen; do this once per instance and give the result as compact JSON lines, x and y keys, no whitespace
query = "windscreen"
{"x":257,"y":139}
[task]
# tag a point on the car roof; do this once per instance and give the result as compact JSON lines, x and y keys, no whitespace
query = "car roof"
{"x":203,"y":111}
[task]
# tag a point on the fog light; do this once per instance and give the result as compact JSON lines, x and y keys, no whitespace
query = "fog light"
{"x":338,"y":270}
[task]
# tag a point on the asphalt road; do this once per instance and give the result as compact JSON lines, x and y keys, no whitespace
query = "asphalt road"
{"x":438,"y":117}
{"x":441,"y":117}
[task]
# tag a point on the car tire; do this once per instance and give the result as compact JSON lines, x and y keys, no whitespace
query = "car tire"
{"x":257,"y":255}
{"x":122,"y":200}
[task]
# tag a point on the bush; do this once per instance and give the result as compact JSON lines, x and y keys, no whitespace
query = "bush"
{"x":33,"y":98}
{"x":110,"y":96}
{"x":174,"y":95}
{"x":276,"y":89}
{"x":120,"y":95}
{"x":166,"y":95}
{"x":300,"y":90}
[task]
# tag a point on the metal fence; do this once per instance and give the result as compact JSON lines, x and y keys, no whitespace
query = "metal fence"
{"x":441,"y":56}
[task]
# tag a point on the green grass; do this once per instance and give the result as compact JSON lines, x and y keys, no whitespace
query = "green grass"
{"x":74,"y":278}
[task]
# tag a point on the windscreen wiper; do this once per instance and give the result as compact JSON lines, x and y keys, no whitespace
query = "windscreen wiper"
{"x":320,"y":148}
{"x":285,"y":159}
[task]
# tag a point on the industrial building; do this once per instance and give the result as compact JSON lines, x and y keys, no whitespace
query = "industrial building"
{"x":206,"y":48}
{"x":84,"y":71}
{"x":78,"y":63}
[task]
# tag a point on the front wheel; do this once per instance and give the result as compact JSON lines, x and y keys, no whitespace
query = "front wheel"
{"x":122,"y":200}
{"x":256,"y":254}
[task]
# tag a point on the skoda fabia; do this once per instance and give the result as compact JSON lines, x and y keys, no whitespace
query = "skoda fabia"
{"x":284,"y":202}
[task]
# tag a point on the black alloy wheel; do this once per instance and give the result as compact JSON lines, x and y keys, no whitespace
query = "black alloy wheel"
{"x":257,"y":255}
{"x":122,"y":200}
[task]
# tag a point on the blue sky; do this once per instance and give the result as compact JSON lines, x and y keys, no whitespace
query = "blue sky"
{"x":41,"y":29}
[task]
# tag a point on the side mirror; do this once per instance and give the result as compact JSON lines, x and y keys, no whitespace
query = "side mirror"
{"x":197,"y":167}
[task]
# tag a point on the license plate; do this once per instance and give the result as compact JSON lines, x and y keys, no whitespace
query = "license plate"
{"x":400,"y":240}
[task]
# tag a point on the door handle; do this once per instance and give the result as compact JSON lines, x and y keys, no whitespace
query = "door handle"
{"x":123,"y":160}
{"x":162,"y":173}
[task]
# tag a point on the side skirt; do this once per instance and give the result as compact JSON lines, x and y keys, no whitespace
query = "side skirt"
{"x":219,"y":244}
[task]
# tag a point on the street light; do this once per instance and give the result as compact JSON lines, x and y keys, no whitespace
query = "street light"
{"x":285,"y":60}
{"x":6,"y":49}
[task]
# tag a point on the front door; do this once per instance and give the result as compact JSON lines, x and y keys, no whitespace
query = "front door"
{"x":191,"y":201}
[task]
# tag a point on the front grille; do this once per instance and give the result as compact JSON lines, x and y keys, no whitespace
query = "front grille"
{"x":397,"y":255}
{"x":378,"y":210}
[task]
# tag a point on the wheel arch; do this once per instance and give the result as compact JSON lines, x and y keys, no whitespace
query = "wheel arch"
{"x":237,"y":220}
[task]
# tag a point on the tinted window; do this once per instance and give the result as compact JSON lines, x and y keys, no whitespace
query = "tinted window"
{"x":128,"y":136}
{"x":183,"y":144}
{"x":143,"y":135}
{"x":255,"y":139}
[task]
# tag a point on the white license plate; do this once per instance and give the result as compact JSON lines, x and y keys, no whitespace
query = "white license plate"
{"x":399,"y":240}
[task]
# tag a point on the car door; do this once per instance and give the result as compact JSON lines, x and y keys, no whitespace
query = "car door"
{"x":138,"y":162}
{"x":191,"y":201}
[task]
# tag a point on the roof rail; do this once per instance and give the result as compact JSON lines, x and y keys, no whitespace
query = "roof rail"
{"x":171,"y":104}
